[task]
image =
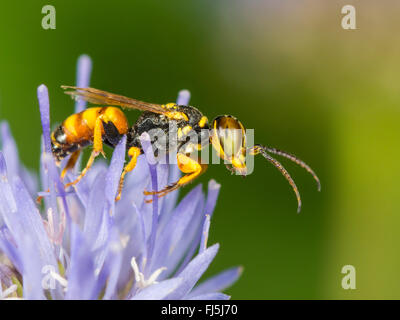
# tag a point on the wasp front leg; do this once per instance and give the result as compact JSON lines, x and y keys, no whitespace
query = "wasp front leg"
{"x":134,"y":153}
{"x":97,"y":149}
{"x":71,"y":163}
{"x":187,"y":165}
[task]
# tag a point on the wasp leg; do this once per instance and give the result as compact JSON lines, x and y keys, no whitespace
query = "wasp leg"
{"x":71,"y":163}
{"x":229,"y":167}
{"x":134,"y":153}
{"x":97,"y":149}
{"x":187,"y":165}
{"x":296,"y":160}
{"x":257,"y":149}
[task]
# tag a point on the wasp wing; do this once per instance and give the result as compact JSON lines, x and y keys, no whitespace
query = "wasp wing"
{"x":97,"y":96}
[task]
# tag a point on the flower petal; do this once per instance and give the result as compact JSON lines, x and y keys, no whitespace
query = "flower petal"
{"x":9,"y":149}
{"x":84,"y":69}
{"x":135,"y":183}
{"x":175,"y":231}
{"x":159,"y":290}
{"x":82,"y":280}
{"x":183,"y":98}
{"x":114,"y":174}
{"x":112,"y":265}
{"x":44,"y":105}
{"x":32,"y":276}
{"x":171,"y":198}
{"x":204,"y":235}
{"x":94,"y":209}
{"x":148,"y":151}
{"x":8,"y":206}
{"x":211,"y":296}
{"x":9,"y":249}
{"x":51,"y":179}
{"x":190,"y":241}
{"x":83,"y":188}
{"x":219,"y":282}
{"x":32,"y":224}
{"x":50,"y":172}
{"x":6,"y":273}
{"x":33,"y":249}
{"x":14,"y":167}
{"x":193,"y":271}
{"x":212,"y":196}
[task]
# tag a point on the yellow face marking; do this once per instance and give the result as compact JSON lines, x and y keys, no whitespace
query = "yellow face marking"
{"x":203,"y":121}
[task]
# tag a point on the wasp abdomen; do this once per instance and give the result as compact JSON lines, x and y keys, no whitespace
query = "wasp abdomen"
{"x":77,"y":131}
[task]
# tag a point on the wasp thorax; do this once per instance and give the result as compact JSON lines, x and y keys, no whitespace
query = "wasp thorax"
{"x":229,"y":140}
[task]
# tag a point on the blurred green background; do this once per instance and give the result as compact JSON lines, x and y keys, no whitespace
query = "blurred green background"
{"x":286,"y":69}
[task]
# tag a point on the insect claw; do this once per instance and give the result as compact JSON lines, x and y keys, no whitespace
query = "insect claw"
{"x":148,"y":193}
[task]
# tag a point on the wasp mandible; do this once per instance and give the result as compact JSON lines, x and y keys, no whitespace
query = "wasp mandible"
{"x":107,"y":124}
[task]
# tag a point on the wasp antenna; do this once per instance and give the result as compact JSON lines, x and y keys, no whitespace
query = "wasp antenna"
{"x":296,"y":160}
{"x":258,"y":149}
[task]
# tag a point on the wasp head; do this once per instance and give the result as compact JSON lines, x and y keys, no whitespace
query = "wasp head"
{"x":228,"y":138}
{"x":59,"y":145}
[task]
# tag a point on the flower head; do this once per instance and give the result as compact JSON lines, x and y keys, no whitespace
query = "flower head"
{"x":82,"y":244}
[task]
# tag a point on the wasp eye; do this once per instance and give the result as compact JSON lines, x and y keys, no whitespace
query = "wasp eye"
{"x":59,"y":136}
{"x":229,"y":140}
{"x":228,"y":134}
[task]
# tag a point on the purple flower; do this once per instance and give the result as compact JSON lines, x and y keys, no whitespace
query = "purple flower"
{"x":82,"y":244}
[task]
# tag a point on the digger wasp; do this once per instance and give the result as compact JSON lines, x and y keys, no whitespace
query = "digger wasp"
{"x":107,"y":124}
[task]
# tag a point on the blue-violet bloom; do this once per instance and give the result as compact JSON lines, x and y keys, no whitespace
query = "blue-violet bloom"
{"x":81,"y":244}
